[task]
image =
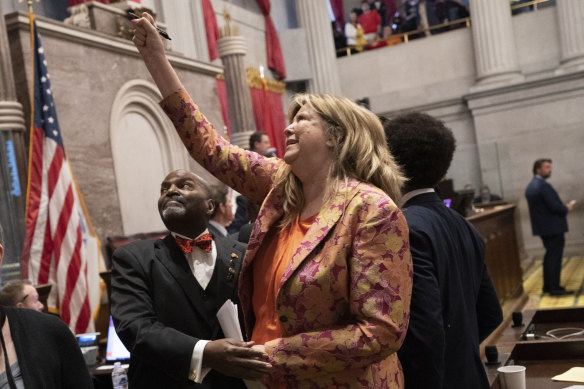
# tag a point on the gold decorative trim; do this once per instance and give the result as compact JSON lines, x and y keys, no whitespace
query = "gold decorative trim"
{"x":255,"y":81}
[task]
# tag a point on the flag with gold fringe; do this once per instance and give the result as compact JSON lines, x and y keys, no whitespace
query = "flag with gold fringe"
{"x":60,"y":246}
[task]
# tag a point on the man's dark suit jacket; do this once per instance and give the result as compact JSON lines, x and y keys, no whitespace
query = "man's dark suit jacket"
{"x":241,"y":218}
{"x":454,"y":305}
{"x":160,"y":311}
{"x":216,"y":233}
{"x":547,"y":211}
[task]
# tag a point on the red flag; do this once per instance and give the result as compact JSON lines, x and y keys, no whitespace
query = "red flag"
{"x":60,"y":247}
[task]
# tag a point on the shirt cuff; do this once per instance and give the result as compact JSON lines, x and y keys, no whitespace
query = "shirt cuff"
{"x":197,"y":371}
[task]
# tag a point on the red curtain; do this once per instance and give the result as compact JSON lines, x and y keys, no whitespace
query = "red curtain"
{"x":211,"y":29}
{"x":222,"y":94}
{"x":390,"y":9}
{"x":268,"y":114}
{"x":337,"y":7}
{"x":76,"y":2}
{"x":273,"y":49}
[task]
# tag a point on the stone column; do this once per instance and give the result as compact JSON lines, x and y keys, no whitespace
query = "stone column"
{"x":494,"y":43}
{"x":231,"y":51}
{"x":314,"y":18}
{"x":571,"y":24}
{"x":12,"y":162}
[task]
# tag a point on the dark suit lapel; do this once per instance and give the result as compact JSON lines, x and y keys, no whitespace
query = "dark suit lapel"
{"x":226,"y":271}
{"x":267,"y":217}
{"x":227,"y":266}
{"x":172,"y":257}
{"x":214,"y":232}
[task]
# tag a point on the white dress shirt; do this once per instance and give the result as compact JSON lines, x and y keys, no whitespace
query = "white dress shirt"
{"x":405,"y":198}
{"x":202,"y":265}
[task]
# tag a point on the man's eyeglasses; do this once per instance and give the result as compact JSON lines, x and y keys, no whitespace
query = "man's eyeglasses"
{"x":24,"y":298}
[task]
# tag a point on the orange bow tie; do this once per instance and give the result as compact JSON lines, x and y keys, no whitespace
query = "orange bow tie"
{"x":203,"y":242}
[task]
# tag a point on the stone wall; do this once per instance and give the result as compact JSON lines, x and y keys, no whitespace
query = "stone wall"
{"x":87,"y":70}
{"x":500,"y":132}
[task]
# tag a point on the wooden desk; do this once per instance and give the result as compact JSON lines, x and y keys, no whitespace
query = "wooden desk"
{"x":497,"y":226}
{"x":542,"y":357}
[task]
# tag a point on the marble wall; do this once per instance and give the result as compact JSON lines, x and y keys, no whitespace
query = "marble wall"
{"x":500,"y":132}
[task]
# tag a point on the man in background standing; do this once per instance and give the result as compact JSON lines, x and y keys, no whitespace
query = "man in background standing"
{"x":223,"y":214}
{"x":548,"y":221}
{"x":259,"y":142}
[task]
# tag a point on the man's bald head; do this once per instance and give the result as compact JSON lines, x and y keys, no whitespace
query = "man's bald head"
{"x":185,"y":203}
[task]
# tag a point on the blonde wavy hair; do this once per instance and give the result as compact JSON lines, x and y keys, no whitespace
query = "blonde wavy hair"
{"x":359,"y":147}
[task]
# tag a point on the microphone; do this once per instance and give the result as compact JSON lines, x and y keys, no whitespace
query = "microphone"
{"x":517,"y":319}
{"x":492,"y":355}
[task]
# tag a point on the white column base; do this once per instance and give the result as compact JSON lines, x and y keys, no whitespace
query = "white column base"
{"x":241,"y":139}
{"x":497,"y":81}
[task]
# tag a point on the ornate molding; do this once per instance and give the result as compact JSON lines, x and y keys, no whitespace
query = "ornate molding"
{"x":79,"y":16}
{"x":254,"y":80}
{"x":92,"y":38}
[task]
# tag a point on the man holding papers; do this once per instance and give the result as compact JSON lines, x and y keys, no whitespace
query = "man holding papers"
{"x":166,"y":294}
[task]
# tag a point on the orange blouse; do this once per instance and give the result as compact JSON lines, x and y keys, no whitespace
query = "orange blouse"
{"x":271,"y":261}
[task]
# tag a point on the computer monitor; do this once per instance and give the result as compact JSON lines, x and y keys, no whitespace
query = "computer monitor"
{"x":115,"y":349}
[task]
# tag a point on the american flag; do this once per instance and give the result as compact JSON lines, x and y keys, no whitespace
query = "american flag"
{"x":60,"y":247}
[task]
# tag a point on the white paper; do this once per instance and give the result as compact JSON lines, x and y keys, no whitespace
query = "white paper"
{"x":227,"y":316}
{"x":575,"y":374}
{"x":229,"y":322}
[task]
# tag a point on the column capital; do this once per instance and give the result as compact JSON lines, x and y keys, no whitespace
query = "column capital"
{"x":11,"y":116}
{"x":231,"y":45}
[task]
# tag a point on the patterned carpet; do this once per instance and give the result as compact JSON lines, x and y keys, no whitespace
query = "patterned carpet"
{"x":572,"y":279}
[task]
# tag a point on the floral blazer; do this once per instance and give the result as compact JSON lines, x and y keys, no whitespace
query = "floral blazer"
{"x":344,"y":298}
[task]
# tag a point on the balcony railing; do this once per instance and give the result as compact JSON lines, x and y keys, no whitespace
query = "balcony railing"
{"x":459,"y":23}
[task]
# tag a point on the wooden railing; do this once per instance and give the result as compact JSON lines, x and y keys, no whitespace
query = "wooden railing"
{"x":533,"y":3}
{"x":405,"y":37}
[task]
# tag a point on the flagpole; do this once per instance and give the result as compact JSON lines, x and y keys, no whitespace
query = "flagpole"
{"x":31,"y":94}
{"x":29,"y":2}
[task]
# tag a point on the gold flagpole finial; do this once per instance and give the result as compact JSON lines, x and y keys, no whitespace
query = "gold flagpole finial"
{"x":29,"y":3}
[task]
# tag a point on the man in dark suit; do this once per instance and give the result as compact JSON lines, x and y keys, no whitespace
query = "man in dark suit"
{"x":454,"y":305}
{"x":246,"y":212}
{"x":166,"y":293}
{"x":548,"y":220}
{"x":223,"y":214}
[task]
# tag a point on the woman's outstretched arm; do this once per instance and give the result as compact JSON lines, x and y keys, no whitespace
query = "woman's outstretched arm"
{"x":247,"y":172}
{"x":150,"y":46}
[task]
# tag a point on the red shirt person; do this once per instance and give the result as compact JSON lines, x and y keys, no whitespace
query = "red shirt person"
{"x":369,"y":20}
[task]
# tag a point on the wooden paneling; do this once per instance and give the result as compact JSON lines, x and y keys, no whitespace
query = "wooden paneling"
{"x":497,"y":226}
